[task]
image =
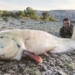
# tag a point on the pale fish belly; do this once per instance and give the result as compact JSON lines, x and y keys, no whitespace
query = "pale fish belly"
{"x":38,"y":46}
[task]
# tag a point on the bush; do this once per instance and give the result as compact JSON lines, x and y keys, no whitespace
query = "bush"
{"x":29,"y":13}
{"x":45,"y":15}
{"x":5,"y":19}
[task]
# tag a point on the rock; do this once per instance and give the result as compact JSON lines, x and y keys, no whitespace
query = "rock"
{"x":48,"y":72}
{"x":11,"y":71}
{"x":21,"y":65}
{"x":43,"y":67}
{"x":54,"y":55}
{"x":27,"y":74}
{"x":65,"y":57}
{"x":52,"y":61}
{"x":7,"y":74}
{"x":59,"y":62}
{"x":73,"y":73}
{"x":20,"y":74}
{"x":60,"y":72}
{"x":73,"y":65}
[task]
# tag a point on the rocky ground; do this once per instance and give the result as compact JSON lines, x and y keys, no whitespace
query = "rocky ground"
{"x":54,"y":64}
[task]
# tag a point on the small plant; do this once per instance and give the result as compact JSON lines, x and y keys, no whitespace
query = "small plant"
{"x":5,"y":19}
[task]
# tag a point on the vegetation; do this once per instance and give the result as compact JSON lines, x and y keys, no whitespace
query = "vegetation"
{"x":5,"y":18}
{"x":47,"y":17}
{"x":29,"y":13}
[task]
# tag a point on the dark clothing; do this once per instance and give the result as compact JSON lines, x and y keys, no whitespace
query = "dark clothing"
{"x":66,"y":34}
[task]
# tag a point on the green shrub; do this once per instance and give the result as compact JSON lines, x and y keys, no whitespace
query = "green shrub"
{"x":5,"y":19}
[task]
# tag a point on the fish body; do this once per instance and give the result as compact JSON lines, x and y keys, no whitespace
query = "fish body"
{"x":33,"y":42}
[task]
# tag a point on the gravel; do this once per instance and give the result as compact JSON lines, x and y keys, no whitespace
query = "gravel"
{"x":54,"y":64}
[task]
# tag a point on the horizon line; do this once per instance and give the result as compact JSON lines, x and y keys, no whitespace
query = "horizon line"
{"x":33,"y":9}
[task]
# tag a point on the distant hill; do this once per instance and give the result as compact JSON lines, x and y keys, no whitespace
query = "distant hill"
{"x":58,"y":14}
{"x":61,"y":14}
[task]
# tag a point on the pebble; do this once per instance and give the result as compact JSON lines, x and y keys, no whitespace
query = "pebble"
{"x":7,"y":74}
{"x":60,"y":72}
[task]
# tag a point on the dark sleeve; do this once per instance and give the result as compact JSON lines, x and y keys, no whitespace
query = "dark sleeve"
{"x":71,"y":30}
{"x":61,"y":32}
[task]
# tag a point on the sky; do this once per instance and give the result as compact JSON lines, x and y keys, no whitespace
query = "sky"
{"x":37,"y":4}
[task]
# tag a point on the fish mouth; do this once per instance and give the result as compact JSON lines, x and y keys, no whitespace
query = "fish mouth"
{"x":33,"y":56}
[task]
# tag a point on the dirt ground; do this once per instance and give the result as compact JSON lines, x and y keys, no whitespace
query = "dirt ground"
{"x":54,"y":64}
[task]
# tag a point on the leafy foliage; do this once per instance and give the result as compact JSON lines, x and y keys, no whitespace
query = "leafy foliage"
{"x":29,"y":13}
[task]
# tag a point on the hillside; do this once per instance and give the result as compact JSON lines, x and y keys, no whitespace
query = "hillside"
{"x":60,"y":14}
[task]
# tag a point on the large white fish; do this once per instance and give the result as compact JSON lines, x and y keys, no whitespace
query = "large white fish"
{"x":31,"y":43}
